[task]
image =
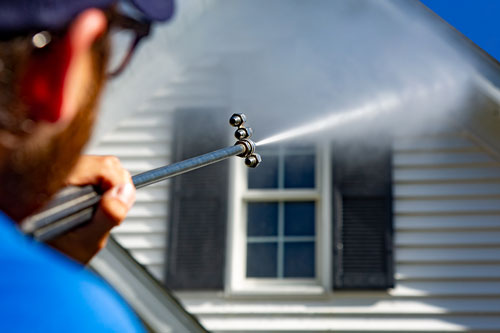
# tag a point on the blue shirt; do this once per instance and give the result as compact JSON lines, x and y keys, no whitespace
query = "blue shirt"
{"x":42,"y":291}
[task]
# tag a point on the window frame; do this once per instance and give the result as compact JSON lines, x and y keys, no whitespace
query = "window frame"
{"x":239,"y":195}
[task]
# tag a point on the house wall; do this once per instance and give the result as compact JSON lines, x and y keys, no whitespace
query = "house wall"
{"x":447,"y":214}
{"x":447,"y":237}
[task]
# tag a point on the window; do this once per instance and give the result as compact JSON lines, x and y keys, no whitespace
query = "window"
{"x":278,"y":232}
{"x":298,"y":223}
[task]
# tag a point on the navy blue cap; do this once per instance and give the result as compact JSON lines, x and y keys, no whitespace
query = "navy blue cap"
{"x":24,"y":15}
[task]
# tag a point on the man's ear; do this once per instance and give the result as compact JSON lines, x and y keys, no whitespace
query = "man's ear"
{"x":51,"y":84}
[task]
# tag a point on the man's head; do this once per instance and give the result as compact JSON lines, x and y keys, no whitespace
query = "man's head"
{"x":53,"y":63}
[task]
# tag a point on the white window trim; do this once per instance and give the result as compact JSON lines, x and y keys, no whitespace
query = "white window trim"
{"x":236,"y":281}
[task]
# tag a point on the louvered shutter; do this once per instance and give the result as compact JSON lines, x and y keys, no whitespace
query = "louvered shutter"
{"x":363,"y":232}
{"x":198,"y":204}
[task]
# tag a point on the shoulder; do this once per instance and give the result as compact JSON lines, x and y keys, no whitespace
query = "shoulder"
{"x":43,"y":291}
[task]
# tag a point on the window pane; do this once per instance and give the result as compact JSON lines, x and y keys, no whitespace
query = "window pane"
{"x":262,"y":219}
{"x":261,"y":260}
{"x":299,"y":171}
{"x":299,"y":219}
{"x":299,"y":260}
{"x":266,"y":175}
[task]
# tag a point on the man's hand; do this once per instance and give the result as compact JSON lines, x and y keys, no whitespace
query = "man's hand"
{"x":108,"y":175}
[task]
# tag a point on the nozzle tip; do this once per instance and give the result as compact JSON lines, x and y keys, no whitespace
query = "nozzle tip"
{"x":237,"y":119}
{"x":243,"y":133}
{"x":253,"y":160}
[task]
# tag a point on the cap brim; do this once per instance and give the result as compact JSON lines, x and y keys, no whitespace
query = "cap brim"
{"x":156,"y":10}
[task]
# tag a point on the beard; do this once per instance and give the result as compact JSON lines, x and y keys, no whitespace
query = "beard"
{"x":33,"y":172}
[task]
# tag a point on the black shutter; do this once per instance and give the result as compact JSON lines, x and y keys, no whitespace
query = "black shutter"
{"x":198,"y":204}
{"x":363,"y":232}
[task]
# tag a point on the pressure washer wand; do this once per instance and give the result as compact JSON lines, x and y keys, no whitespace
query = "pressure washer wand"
{"x":74,"y":205}
{"x":156,"y":175}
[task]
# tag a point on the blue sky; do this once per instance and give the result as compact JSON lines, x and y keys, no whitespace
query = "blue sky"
{"x":479,"y":20}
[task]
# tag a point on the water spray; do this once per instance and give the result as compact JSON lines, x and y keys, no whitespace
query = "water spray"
{"x":384,"y":105}
{"x":75,"y":205}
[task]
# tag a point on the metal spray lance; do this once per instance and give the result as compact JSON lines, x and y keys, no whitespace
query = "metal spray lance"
{"x":74,"y":205}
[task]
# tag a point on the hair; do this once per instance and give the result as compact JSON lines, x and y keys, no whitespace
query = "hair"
{"x":14,"y":55}
{"x":31,"y":173}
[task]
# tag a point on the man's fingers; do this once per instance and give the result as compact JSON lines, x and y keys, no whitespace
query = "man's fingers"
{"x":118,"y":196}
{"x":103,"y":171}
{"x":114,"y":205}
{"x":112,"y":173}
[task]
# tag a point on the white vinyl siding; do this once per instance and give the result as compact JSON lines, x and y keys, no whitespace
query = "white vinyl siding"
{"x":447,"y":234}
{"x":447,"y":250}
{"x":447,"y":274}
{"x":143,"y":142}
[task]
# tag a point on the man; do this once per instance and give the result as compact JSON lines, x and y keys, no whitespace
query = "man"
{"x":53,"y":63}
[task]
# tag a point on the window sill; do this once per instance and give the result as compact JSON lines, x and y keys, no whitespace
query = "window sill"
{"x":277,"y":288}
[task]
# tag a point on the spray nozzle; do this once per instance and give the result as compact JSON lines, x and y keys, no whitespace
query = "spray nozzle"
{"x":253,"y":160}
{"x":249,"y":147}
{"x":237,"y":119}
{"x":243,"y":134}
